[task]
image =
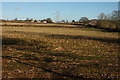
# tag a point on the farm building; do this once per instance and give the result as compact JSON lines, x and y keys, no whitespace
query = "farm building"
{"x":44,"y":21}
{"x":33,"y":21}
{"x":93,"y":22}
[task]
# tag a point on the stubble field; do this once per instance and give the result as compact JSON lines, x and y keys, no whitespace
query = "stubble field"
{"x":59,"y":52}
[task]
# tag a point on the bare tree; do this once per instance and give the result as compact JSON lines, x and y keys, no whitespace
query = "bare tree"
{"x":84,"y":19}
{"x":27,"y":19}
{"x":67,"y":21}
{"x":15,"y":19}
{"x":102,"y":16}
{"x":57,"y":16}
{"x":115,"y":15}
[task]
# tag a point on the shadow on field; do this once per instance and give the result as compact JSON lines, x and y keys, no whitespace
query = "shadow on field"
{"x":47,"y":25}
{"x":34,"y":46}
{"x":11,"y":41}
{"x":47,"y":70}
{"x":60,"y":36}
{"x":24,"y":59}
{"x":110,"y":40}
{"x":45,"y":57}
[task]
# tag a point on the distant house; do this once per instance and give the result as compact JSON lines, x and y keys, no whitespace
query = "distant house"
{"x":33,"y":21}
{"x":44,"y":21}
{"x":93,"y":22}
{"x":38,"y":21}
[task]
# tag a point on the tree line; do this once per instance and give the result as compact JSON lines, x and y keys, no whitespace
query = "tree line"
{"x":109,"y":21}
{"x":49,"y":20}
{"x":106,"y":21}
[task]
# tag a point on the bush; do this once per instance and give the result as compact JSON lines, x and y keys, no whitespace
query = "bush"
{"x":109,"y":24}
